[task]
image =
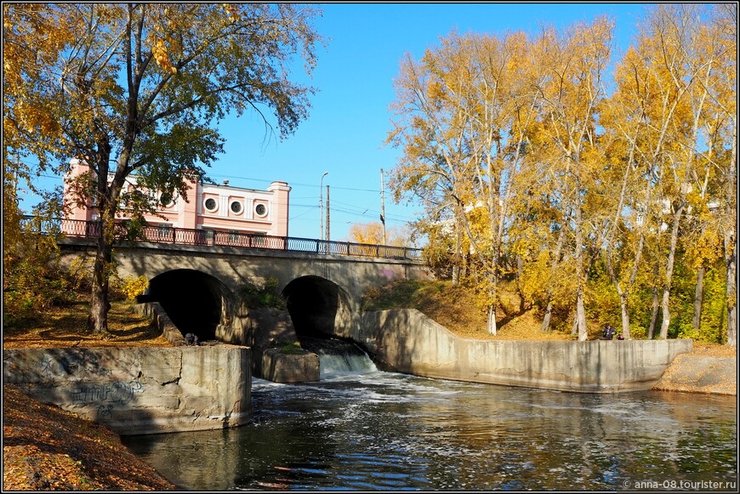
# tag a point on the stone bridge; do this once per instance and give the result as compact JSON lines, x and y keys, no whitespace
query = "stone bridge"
{"x":201,"y":287}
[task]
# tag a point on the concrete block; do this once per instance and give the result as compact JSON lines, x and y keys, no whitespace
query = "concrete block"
{"x":290,"y":368}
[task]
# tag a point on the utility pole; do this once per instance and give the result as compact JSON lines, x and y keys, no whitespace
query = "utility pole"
{"x":328,"y":217}
{"x":382,"y":205}
{"x":321,"y":206}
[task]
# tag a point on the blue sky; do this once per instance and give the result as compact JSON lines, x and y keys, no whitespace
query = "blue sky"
{"x":350,"y":116}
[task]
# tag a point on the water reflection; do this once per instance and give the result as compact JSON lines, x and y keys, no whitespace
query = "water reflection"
{"x":391,"y":431}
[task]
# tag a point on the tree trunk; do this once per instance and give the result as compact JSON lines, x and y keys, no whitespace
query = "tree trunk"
{"x":698,"y":298}
{"x":574,"y":330}
{"x":623,"y":302}
{"x":548,"y":315}
{"x":492,"y":328}
{"x":99,"y":302}
{"x":581,"y":316}
{"x":106,"y":200}
{"x":553,"y":265}
{"x":625,"y":314}
{"x":730,"y":239}
{"x":654,"y":314}
{"x":493,"y":294}
{"x":731,"y":288}
{"x":580,"y":309}
{"x":459,"y":259}
{"x":669,"y":275}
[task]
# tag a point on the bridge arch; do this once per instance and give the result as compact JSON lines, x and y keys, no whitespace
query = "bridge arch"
{"x":196,"y":302}
{"x":318,"y":307}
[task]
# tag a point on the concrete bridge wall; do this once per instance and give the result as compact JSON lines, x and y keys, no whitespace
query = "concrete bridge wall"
{"x":408,"y":341}
{"x":323,"y":291}
{"x":140,"y":390}
{"x":234,"y":267}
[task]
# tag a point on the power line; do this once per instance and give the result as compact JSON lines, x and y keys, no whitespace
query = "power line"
{"x":236,"y":177}
{"x":355,"y":189}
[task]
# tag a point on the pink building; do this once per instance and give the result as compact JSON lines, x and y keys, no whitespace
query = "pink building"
{"x":217,"y":208}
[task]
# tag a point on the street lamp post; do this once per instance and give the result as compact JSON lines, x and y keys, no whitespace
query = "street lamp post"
{"x":321,"y":206}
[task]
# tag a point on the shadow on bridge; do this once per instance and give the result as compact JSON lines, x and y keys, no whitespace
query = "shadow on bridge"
{"x":316,"y":306}
{"x":193,"y":300}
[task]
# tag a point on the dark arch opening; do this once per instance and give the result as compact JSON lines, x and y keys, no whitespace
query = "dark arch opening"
{"x":313,"y":303}
{"x":193,"y":300}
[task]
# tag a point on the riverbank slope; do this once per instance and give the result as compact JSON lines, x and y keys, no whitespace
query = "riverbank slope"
{"x":47,"y":448}
{"x":706,"y":369}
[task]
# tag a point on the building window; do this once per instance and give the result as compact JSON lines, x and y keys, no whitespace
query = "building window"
{"x":236,"y":207}
{"x":260,"y":209}
{"x":170,"y":202}
{"x":210,"y":204}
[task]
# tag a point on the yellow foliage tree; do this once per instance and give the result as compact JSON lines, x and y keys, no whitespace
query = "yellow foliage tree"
{"x":528,"y":168}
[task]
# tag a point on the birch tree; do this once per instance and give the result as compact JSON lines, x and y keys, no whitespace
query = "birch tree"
{"x":465,"y":111}
{"x":682,"y":76}
{"x":569,"y":139}
{"x":723,"y":102}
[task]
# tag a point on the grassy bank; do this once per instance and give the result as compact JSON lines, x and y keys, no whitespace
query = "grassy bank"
{"x":459,"y":309}
{"x":66,"y":326}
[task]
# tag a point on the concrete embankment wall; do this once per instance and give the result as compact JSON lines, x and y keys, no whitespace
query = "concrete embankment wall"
{"x":406,"y":340}
{"x":138,"y":390}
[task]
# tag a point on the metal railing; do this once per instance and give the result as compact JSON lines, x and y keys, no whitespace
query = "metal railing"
{"x":220,"y":238}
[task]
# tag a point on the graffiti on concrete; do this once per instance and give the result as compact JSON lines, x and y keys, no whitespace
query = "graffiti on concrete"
{"x":86,"y":378}
{"x":54,"y":367}
{"x":105,"y":411}
{"x":117,"y":392}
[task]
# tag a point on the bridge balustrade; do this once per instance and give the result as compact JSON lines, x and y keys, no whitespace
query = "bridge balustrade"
{"x":242,"y":240}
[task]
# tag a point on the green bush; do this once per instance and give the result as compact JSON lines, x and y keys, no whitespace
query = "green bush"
{"x":266,"y":295}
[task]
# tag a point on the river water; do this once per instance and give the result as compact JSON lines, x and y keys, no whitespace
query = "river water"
{"x":386,"y":431}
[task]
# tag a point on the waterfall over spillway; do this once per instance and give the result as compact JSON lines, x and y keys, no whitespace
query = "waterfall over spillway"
{"x":338,"y":357}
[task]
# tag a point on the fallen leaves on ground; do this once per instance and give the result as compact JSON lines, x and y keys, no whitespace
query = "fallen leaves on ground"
{"x":67,"y":327}
{"x":47,"y":448}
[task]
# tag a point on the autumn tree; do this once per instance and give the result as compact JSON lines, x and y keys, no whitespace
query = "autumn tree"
{"x":679,"y":53}
{"x":723,"y":104}
{"x":528,"y":168}
{"x":629,"y":178}
{"x":463,"y":111}
{"x":372,"y":233}
{"x":566,"y":141}
{"x":139,"y":88}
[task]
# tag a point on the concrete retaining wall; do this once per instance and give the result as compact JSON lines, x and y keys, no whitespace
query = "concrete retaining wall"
{"x":405,"y":340}
{"x":162,"y":321}
{"x":138,"y":390}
